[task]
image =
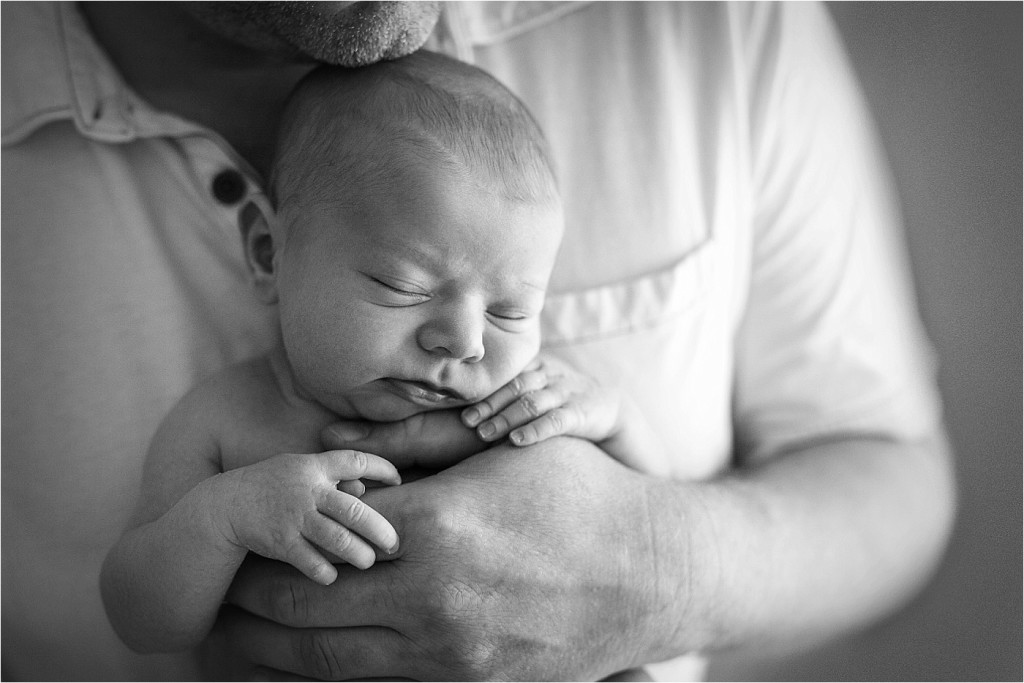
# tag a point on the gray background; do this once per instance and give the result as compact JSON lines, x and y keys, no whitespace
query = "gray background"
{"x":944,"y":83}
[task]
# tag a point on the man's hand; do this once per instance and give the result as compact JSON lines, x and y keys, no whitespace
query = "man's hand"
{"x":556,"y":562}
{"x":517,"y":564}
{"x":426,"y":441}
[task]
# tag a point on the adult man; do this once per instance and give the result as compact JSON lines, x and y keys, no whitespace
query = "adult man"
{"x":729,"y":259}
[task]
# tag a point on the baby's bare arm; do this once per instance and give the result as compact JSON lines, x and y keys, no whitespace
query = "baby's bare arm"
{"x":164,"y":581}
{"x":289,"y":508}
{"x":636,"y":444}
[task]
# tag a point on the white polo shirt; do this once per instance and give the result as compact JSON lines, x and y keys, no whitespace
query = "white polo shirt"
{"x":733,"y":259}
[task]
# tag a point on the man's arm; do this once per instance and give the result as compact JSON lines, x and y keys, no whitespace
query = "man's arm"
{"x":815,"y":542}
{"x":556,"y":562}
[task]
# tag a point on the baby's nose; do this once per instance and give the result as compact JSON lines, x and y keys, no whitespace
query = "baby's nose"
{"x":457,"y":333}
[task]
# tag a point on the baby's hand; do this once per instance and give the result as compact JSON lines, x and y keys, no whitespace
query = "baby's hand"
{"x":547,"y":399}
{"x":289,"y":507}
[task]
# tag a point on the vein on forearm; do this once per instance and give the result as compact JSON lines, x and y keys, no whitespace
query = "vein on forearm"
{"x":816,"y":541}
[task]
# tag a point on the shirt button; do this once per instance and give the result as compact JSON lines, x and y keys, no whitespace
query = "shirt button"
{"x":228,"y":186}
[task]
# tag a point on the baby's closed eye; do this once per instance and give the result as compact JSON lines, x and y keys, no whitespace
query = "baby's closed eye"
{"x":395,"y":292}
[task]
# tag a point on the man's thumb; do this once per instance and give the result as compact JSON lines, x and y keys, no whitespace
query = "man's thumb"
{"x":431,"y":440}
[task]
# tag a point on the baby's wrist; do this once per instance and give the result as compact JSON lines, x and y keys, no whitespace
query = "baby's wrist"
{"x":214,"y":508}
{"x":628,"y":417}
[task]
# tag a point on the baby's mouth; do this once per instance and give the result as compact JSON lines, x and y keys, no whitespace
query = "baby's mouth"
{"x":425,"y":392}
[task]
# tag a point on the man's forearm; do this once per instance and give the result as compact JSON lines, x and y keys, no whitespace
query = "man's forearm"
{"x":556,"y":561}
{"x":800,"y":548}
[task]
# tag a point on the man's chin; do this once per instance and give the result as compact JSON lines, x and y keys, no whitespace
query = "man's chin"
{"x":351,"y":35}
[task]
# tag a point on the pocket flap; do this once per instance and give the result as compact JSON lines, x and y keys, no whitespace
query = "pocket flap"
{"x":624,"y":307}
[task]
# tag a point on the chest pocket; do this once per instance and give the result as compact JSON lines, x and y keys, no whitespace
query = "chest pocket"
{"x":623,"y":308}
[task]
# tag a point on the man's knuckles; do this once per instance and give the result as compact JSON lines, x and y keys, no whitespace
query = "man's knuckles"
{"x":320,"y":656}
{"x":286,"y":600}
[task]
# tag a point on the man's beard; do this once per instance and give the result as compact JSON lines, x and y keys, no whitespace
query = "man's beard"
{"x":354,"y":35}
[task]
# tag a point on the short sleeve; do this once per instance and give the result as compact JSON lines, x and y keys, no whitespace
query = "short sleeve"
{"x":829,"y":344}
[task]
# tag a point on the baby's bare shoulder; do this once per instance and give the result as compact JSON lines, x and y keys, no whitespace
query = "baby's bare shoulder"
{"x":240,"y":399}
{"x":251,"y":419}
{"x":231,"y":395}
{"x":199,"y":436}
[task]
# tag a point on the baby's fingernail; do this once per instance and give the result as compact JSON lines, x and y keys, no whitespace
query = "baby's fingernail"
{"x":516,"y":437}
{"x":471,"y":416}
{"x":349,"y":432}
{"x":487,"y":430}
{"x":393,"y":549}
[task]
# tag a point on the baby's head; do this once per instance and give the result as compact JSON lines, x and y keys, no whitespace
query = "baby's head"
{"x":415,"y":227}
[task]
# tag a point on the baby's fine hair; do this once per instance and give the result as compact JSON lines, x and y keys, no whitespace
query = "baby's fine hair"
{"x":340,"y":122}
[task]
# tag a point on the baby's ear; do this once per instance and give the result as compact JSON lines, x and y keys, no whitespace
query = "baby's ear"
{"x":258,"y":241}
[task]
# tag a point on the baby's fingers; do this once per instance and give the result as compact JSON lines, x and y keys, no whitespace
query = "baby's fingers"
{"x":558,"y":422}
{"x":348,"y":465}
{"x":338,"y":541}
{"x":301,"y":554}
{"x":523,"y":383}
{"x":523,"y":410}
{"x":355,"y":515}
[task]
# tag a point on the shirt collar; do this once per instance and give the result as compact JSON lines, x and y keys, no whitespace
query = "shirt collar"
{"x":54,"y":70}
{"x":494,"y":22}
{"x":467,"y":25}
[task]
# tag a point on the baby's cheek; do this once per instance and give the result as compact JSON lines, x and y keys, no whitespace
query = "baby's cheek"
{"x":515,"y":356}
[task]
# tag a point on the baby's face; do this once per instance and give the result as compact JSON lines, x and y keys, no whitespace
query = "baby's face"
{"x":418,"y":299}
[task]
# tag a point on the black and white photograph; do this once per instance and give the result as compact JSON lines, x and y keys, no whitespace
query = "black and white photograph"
{"x":494,"y":340}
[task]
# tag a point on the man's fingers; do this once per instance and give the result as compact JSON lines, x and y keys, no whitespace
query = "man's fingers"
{"x":352,"y":464}
{"x":432,"y":440}
{"x":352,"y":513}
{"x":330,"y":654}
{"x":262,"y":673}
{"x":278,"y":592}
